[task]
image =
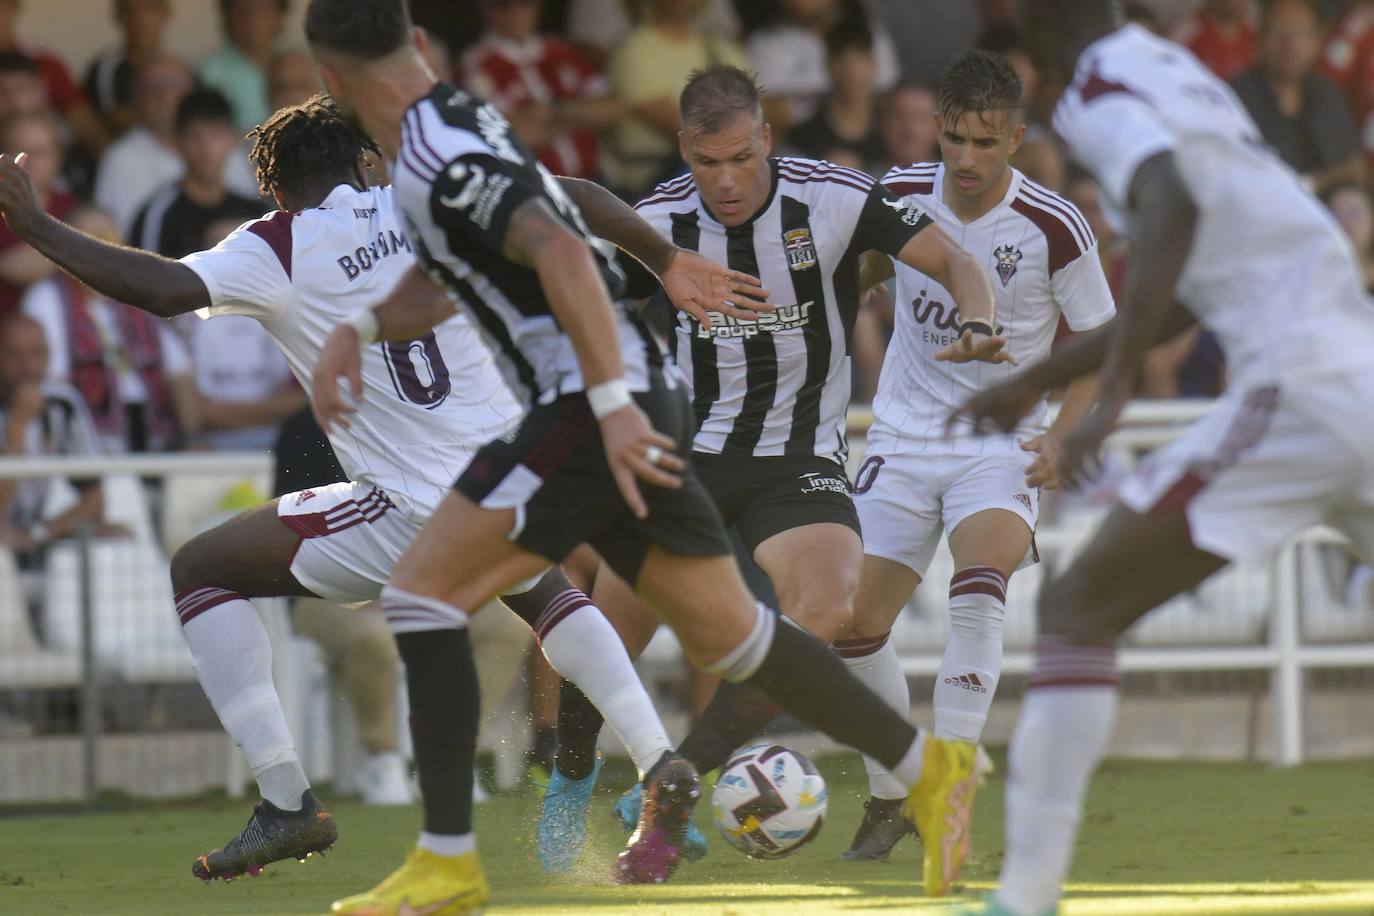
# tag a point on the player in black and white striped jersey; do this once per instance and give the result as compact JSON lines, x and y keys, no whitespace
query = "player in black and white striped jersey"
{"x":769,"y":396}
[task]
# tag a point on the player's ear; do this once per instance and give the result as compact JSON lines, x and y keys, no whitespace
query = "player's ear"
{"x":421,"y":38}
{"x":330,"y":79}
{"x":1018,"y":136}
{"x":767,"y":139}
{"x":682,"y":145}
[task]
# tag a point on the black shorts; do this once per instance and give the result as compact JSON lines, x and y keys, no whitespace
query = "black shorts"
{"x":553,"y":472}
{"x":767,"y":496}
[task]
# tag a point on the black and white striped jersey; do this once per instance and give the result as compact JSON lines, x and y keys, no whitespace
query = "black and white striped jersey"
{"x":460,"y":175}
{"x":780,"y":385}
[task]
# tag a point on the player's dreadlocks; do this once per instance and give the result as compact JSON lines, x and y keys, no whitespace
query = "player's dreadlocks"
{"x":982,"y":82}
{"x":307,"y":144}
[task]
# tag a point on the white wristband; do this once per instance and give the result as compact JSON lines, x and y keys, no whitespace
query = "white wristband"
{"x":608,"y":397}
{"x":364,"y":321}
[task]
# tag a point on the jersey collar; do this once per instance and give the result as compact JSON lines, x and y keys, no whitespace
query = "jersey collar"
{"x":337,"y":195}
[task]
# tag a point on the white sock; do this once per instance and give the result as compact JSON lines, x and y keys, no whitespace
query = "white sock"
{"x":875,"y":663}
{"x":1066,"y":722}
{"x":583,"y":647}
{"x":972,"y":662}
{"x":908,"y":769}
{"x":448,"y":844}
{"x":233,"y":660}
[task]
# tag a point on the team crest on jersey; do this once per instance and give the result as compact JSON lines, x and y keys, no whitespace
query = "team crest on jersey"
{"x":1007,"y":258}
{"x":801,"y":251}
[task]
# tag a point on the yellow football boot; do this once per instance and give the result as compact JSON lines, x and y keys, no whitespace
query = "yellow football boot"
{"x":426,"y":885}
{"x":941,"y":807}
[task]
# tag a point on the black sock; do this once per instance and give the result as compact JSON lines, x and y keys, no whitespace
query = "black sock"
{"x":810,"y":681}
{"x":579,"y":725}
{"x":441,"y":680}
{"x":545,"y":743}
{"x":734,"y":715}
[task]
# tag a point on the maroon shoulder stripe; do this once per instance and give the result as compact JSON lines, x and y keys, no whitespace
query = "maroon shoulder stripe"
{"x":275,"y":230}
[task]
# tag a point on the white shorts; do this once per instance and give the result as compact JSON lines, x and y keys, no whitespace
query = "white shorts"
{"x":1267,"y":463}
{"x":906,"y":502}
{"x":351,"y":537}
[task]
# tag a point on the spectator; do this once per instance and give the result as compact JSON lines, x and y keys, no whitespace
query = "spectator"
{"x":145,"y":157}
{"x":63,"y":94}
{"x":790,"y":54}
{"x":356,"y":642}
{"x":110,"y":79}
{"x":598,"y":27}
{"x":130,"y":369}
{"x":174,"y":221}
{"x":1003,"y":38}
{"x":907,"y":125}
{"x":37,"y":136}
{"x":928,"y":34}
{"x":40,"y":417}
{"x":239,"y":68}
{"x":1299,"y":112}
{"x":21,"y":93}
{"x":1349,"y":63}
{"x":291,"y":79}
{"x":1349,"y":204}
{"x":647,"y":74}
{"x":1222,"y":35}
{"x":553,"y":98}
{"x":845,"y":129}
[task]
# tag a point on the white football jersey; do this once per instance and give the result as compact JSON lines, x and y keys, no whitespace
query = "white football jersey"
{"x":1043,"y":261}
{"x":428,"y":403}
{"x":1270,"y":273}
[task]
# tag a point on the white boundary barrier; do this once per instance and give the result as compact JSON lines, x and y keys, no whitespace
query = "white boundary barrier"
{"x":1284,"y":654}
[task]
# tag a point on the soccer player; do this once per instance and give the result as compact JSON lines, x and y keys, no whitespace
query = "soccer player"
{"x":428,"y":402}
{"x":1220,"y":223}
{"x":918,"y":480}
{"x":769,"y":397}
{"x":593,"y":461}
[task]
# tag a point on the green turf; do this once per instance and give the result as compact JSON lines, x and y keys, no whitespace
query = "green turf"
{"x":1159,"y":838}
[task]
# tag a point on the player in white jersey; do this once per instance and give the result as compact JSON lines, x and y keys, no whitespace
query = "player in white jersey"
{"x":427,"y":405}
{"x":919,"y":479}
{"x":1221,"y":226}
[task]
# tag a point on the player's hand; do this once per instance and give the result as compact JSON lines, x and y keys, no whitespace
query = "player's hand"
{"x":980,"y":347}
{"x":341,"y":358}
{"x":698,"y":285}
{"x":1080,"y":456}
{"x":1044,"y":470}
{"x":635,"y":451}
{"x":18,"y":200}
{"x":1000,"y":407}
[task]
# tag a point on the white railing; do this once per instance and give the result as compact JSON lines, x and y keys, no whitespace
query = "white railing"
{"x":1276,"y":645}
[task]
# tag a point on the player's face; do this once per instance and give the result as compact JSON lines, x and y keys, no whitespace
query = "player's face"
{"x":975,"y":147}
{"x":730,"y":166}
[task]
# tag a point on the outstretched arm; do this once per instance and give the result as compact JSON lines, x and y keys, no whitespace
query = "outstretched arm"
{"x":696,"y":285}
{"x":935,"y":254}
{"x":140,"y":278}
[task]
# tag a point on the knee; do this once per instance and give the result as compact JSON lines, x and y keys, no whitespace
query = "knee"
{"x":190,"y":566}
{"x":1067,"y":608}
{"x":823,"y":616}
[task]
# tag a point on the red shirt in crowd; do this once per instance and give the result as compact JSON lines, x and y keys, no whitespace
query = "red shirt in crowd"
{"x":542,"y":71}
{"x":63,"y":92}
{"x":1228,"y":56}
{"x":1349,"y":63}
{"x":60,"y":204}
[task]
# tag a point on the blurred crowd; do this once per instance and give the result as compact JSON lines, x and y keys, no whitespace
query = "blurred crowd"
{"x":144,"y":146}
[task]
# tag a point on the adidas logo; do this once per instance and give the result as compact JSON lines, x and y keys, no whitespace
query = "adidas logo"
{"x":968,"y":681}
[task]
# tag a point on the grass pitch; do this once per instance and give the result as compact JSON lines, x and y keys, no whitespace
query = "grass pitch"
{"x":1159,"y":838}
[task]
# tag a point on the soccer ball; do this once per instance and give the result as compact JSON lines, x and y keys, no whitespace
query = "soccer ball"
{"x":769,"y":801}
